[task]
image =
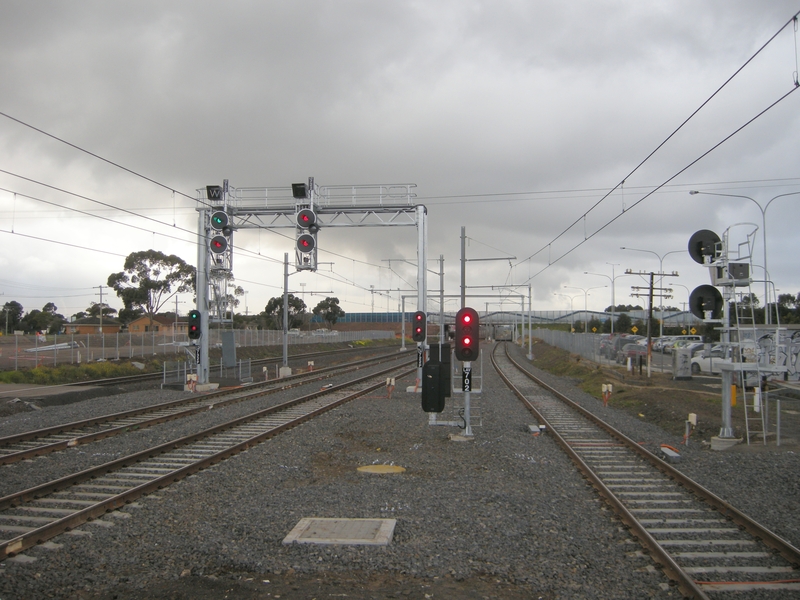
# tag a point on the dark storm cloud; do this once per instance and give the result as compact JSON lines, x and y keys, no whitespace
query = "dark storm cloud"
{"x":461,"y":98}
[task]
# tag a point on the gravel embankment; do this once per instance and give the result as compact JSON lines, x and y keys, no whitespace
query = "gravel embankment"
{"x":504,"y":509}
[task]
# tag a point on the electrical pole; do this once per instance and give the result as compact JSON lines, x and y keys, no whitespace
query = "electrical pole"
{"x":651,"y":293}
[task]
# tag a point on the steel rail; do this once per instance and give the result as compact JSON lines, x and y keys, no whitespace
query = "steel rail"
{"x":685,"y":583}
{"x":693,"y":588}
{"x":136,"y":418}
{"x":41,"y":534}
{"x":790,"y":552}
{"x":158,"y":375}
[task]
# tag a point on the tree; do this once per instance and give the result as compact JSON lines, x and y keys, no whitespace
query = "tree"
{"x":151,"y":279}
{"x":789,"y":307}
{"x":126,"y":315}
{"x":95,"y":309}
{"x":623,"y":324}
{"x":273,"y":312}
{"x":621,"y":308}
{"x":47,"y":320}
{"x":329,"y":310}
{"x":225,"y":279}
{"x":12,"y":316}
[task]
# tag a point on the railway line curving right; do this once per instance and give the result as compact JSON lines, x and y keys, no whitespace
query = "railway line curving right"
{"x":701,"y":542}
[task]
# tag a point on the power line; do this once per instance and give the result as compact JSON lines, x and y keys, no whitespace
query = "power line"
{"x":692,"y":163}
{"x":97,"y":156}
{"x":650,"y":155}
{"x":41,"y":239}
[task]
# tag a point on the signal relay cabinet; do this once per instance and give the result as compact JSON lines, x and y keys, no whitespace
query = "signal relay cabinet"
{"x":436,"y":379}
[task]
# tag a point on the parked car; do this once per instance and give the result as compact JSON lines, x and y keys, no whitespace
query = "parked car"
{"x":605,"y":346}
{"x":661,"y":342}
{"x":614,"y":345}
{"x":709,"y":361}
{"x":679,"y":341}
{"x":632,"y":351}
{"x":693,"y":347}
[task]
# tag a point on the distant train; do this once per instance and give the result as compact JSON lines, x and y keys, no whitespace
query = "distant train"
{"x":500,"y":333}
{"x":503,"y":333}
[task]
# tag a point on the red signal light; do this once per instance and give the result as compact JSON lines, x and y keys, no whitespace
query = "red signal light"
{"x":305,"y":243}
{"x":218,"y":244}
{"x":194,"y":324}
{"x":420,"y":330}
{"x":466,"y":334}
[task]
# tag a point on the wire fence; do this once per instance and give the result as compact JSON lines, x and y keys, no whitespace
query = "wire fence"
{"x":26,"y":351}
{"x":586,"y":345}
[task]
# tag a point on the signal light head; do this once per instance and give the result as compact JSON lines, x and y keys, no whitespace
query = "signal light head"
{"x":219,"y":220}
{"x":194,"y":324}
{"x":218,"y":244}
{"x":420,"y":330}
{"x":466,"y":338}
{"x":306,"y":243}
{"x":306,"y":218}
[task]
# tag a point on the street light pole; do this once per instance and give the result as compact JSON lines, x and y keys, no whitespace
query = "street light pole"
{"x":767,"y":317}
{"x":660,"y":279}
{"x":612,"y":279}
{"x":688,"y":293}
{"x":585,"y":299}
{"x":572,"y":310}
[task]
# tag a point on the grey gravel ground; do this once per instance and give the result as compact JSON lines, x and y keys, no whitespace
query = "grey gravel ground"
{"x":504,"y":515}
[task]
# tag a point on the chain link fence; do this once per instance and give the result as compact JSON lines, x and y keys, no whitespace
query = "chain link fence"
{"x":586,"y":345}
{"x":26,"y":351}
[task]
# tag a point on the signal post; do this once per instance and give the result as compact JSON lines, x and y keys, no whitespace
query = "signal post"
{"x":467,"y":349}
{"x":306,"y":209}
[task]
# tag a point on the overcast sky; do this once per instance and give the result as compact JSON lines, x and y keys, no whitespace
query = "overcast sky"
{"x":516,"y":120}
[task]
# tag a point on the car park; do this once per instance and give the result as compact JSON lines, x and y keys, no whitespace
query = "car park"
{"x":710,"y":361}
{"x":660,"y":342}
{"x":632,"y":351}
{"x":616,"y":343}
{"x":679,"y":341}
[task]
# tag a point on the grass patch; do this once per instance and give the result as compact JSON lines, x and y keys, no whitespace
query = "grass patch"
{"x":657,"y":399}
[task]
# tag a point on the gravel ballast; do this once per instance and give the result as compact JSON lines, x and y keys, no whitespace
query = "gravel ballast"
{"x":506,"y":510}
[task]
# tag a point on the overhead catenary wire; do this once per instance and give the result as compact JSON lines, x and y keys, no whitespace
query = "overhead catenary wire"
{"x":582,"y":217}
{"x":552,"y":261}
{"x":92,"y":154}
{"x":661,"y":145}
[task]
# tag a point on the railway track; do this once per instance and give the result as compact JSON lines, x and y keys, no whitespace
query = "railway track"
{"x":145,"y":377}
{"x":33,"y":516}
{"x":705,"y":545}
{"x":39,"y":442}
